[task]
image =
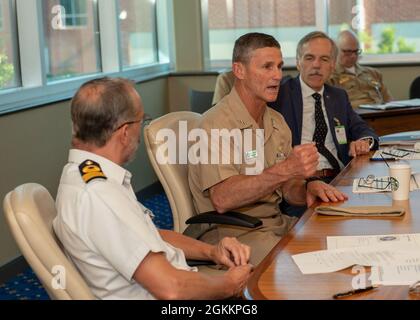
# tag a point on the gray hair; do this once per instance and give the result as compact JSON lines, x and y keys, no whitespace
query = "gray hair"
{"x":316,"y":35}
{"x":99,"y":107}
{"x":246,"y":44}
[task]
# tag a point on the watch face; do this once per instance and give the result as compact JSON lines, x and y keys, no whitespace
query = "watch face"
{"x":371,"y":142}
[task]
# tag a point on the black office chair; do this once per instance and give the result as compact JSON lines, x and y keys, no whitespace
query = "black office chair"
{"x":200,"y":101}
{"x":415,"y":89}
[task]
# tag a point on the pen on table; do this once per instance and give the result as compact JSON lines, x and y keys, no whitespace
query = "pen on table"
{"x":353,"y":292}
{"x":384,"y":160}
{"x":387,"y":159}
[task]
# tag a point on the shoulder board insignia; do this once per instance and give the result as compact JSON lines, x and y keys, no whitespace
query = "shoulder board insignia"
{"x":91,"y":170}
{"x":344,"y":79}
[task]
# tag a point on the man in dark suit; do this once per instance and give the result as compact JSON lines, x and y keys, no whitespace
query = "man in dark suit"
{"x":348,"y":135}
{"x":317,"y":112}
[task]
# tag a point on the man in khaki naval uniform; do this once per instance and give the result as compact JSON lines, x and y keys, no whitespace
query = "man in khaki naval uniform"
{"x":244,"y":186}
{"x":364,"y":85}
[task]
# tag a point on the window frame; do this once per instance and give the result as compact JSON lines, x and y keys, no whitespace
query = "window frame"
{"x":14,"y":43}
{"x":36,"y":91}
{"x":155,"y":40}
{"x":322,"y":23}
{"x":74,"y":16}
{"x":1,"y":18}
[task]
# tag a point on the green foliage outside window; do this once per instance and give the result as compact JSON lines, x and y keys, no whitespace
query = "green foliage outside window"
{"x":6,"y":70}
{"x":387,"y":44}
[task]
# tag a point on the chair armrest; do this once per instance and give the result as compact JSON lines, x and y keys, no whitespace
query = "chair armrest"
{"x":228,"y":218}
{"x":198,"y":263}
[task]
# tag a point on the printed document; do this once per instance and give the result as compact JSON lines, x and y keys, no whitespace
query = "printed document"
{"x":400,"y":275}
{"x":326,"y":261}
{"x":342,"y":242}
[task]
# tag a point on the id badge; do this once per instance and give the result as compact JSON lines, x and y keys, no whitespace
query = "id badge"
{"x":251,"y":155}
{"x":340,"y":132}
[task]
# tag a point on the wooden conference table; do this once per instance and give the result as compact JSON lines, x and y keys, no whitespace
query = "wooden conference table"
{"x":278,"y":277}
{"x":392,"y":121}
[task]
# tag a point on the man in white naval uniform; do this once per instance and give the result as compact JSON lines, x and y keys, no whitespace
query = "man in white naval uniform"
{"x":107,"y":233}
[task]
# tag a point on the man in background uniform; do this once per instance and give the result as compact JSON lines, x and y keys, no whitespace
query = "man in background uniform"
{"x":364,"y":85}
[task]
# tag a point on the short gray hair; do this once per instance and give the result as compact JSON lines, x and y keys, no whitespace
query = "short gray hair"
{"x":246,"y":44}
{"x":99,"y":107}
{"x":316,"y":35}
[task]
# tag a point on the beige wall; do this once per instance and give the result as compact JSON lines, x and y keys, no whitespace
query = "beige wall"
{"x":397,"y":79}
{"x":34,"y":146}
{"x":188,"y":35}
{"x":179,"y":87}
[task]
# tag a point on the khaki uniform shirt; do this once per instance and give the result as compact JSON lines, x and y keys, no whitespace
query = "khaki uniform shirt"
{"x":224,"y":85}
{"x":364,"y":87}
{"x":230,"y":114}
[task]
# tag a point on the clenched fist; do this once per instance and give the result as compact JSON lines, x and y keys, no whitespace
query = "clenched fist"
{"x":303,"y":161}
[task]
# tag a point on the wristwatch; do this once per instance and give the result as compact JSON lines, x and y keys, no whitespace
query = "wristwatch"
{"x":371,"y":142}
{"x":310,"y":179}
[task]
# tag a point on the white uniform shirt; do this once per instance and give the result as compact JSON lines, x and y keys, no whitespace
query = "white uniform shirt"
{"x":106,"y":231}
{"x":308,"y":124}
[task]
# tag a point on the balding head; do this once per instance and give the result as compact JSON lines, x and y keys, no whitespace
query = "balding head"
{"x":349,"y":48}
{"x":347,"y":37}
{"x":100,"y":106}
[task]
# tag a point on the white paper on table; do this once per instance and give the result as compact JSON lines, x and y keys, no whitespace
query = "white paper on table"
{"x":392,"y":105}
{"x":382,"y":184}
{"x":342,"y":242}
{"x":391,"y":152}
{"x":326,"y":261}
{"x":399,"y":275}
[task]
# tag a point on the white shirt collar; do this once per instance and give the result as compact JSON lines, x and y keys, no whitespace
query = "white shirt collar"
{"x":351,"y":70}
{"x":109,"y":168}
{"x":307,"y":91}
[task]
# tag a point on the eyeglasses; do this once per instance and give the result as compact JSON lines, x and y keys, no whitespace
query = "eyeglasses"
{"x":357,"y":52}
{"x":382,"y":184}
{"x":396,"y":153}
{"x":145,"y":120}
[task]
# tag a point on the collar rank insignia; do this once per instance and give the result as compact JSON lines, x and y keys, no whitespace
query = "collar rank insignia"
{"x":91,"y":170}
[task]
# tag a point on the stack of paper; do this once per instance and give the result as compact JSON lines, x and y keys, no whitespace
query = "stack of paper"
{"x":392,"y":105}
{"x":394,"y":258}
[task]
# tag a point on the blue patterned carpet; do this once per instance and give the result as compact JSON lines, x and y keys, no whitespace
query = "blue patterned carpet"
{"x":25,"y":286}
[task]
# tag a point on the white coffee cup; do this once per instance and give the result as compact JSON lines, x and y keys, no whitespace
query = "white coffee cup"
{"x":402,"y":173}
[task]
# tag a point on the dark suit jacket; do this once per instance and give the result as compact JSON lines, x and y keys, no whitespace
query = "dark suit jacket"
{"x":290,"y":104}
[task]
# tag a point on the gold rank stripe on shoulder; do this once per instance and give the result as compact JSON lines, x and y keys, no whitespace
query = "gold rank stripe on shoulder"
{"x":91,"y":170}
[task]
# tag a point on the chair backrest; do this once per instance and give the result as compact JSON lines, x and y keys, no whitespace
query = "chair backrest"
{"x":29,"y":211}
{"x":415,"y":89}
{"x":173,"y":177}
{"x":200,"y":101}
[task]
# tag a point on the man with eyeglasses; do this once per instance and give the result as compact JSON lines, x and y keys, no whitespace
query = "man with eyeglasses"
{"x":364,"y":85}
{"x":107,"y":233}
